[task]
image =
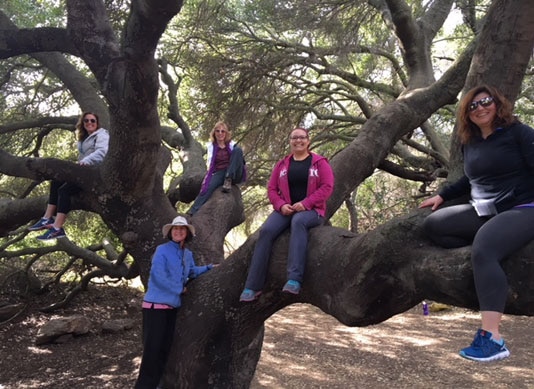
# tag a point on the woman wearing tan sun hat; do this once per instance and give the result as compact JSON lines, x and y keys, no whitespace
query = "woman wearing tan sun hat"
{"x":178,"y":221}
{"x":172,"y":266}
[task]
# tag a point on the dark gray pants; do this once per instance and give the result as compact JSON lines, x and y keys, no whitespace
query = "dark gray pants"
{"x":493,"y":239}
{"x":275,"y":224}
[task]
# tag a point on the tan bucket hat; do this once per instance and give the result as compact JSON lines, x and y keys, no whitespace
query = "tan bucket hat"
{"x":177,"y":221}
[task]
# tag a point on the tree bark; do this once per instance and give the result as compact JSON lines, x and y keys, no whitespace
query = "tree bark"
{"x":359,"y":279}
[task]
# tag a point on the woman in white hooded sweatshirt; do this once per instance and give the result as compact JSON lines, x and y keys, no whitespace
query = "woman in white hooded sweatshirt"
{"x":92,"y":147}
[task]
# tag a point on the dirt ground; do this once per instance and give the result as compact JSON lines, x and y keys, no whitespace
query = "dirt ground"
{"x":303,"y":348}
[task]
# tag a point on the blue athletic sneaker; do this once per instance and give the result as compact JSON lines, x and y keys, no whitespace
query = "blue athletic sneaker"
{"x":485,"y":349}
{"x":292,"y":287}
{"x":42,"y":224}
{"x":52,"y":233}
{"x":249,"y":295}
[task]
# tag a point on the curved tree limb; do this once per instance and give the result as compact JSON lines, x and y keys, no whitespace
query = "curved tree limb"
{"x":15,"y":41}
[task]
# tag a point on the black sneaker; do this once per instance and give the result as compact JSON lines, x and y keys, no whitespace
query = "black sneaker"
{"x":42,"y":224}
{"x":227,"y":186}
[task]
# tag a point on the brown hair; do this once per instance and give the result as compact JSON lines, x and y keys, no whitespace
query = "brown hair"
{"x":302,"y":129}
{"x":80,"y":129}
{"x":223,"y":126}
{"x":188,"y":237}
{"x":504,"y":116}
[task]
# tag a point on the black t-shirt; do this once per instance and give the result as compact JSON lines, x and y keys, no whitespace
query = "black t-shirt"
{"x":298,"y":178}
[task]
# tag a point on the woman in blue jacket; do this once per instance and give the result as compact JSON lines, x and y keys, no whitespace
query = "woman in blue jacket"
{"x":172,"y":266}
{"x":498,"y":153}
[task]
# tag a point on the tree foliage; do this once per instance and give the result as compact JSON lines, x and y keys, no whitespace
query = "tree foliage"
{"x":375,"y":81}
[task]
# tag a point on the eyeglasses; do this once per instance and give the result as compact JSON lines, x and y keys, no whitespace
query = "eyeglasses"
{"x":220,"y":131}
{"x":89,"y":120}
{"x":483,"y":102}
{"x":298,"y":137}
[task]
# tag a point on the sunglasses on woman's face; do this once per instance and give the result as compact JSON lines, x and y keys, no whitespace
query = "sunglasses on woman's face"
{"x":483,"y":102}
{"x":89,"y":120}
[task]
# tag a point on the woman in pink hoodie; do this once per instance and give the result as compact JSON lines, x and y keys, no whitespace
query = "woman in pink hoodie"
{"x":298,"y":189}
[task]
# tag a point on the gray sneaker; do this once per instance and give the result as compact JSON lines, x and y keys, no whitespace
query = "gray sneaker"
{"x":227,"y":186}
{"x":292,"y":287}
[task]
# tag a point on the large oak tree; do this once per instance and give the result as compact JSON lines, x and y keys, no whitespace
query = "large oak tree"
{"x":360,"y":279}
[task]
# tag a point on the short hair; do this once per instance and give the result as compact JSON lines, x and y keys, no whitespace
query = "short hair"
{"x":504,"y":116}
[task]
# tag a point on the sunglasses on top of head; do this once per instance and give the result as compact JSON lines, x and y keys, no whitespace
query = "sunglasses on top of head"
{"x":89,"y":120}
{"x":483,"y":102}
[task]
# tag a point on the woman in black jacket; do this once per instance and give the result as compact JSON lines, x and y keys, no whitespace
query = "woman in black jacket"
{"x":498,"y":155}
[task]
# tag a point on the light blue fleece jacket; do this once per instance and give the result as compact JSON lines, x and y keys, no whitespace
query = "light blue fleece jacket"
{"x":94,"y":148}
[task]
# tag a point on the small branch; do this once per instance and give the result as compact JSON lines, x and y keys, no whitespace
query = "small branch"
{"x":74,"y":292}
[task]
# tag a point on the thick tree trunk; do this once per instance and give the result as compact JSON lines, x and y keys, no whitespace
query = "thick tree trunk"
{"x":359,"y":279}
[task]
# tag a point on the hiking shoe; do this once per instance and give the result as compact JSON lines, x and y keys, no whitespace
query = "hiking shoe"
{"x":227,"y":186}
{"x":292,"y":287}
{"x":52,"y":233}
{"x":485,"y":349}
{"x":249,"y":295}
{"x":42,"y":224}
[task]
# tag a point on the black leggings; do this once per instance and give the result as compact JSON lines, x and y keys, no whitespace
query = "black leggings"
{"x":493,"y":239}
{"x":60,"y":194}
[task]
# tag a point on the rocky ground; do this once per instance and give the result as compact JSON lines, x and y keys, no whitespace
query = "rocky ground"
{"x":303,"y":348}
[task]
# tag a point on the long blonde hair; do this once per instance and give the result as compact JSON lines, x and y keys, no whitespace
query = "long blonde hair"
{"x":221,"y":126}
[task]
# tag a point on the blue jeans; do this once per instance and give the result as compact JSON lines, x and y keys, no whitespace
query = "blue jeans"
{"x":275,"y":224}
{"x":217,"y":179}
{"x":233,"y":171}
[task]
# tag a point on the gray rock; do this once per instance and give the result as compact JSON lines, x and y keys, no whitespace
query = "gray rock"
{"x":118,"y":325}
{"x":55,"y":329}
